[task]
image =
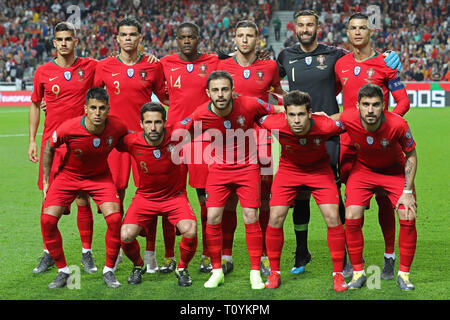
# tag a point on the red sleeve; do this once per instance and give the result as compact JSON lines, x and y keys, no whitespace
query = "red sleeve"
{"x":59,"y":136}
{"x":398,"y":90}
{"x":98,"y":77}
{"x":159,"y":85}
{"x":262,"y":108}
{"x":406,"y":139}
{"x":334,"y":128}
{"x":123,"y":145}
{"x":276,"y":77}
{"x":38,"y":88}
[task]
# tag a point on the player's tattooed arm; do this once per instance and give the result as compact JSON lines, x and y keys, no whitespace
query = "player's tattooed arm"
{"x":407,"y":198}
{"x":47,"y":161}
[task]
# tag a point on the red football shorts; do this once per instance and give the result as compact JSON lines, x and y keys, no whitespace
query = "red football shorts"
{"x":58,"y":160}
{"x":245,"y":183}
{"x":198,"y":169}
{"x":347,"y":157}
{"x":143,"y":210}
{"x":65,"y":188}
{"x":266,"y":186}
{"x":363,"y":183}
{"x":320,"y":181}
{"x":119,"y":164}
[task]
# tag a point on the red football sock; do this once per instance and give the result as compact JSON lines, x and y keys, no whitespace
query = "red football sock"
{"x":336,"y":244}
{"x":229,"y":223}
{"x":274,"y":245}
{"x":150,"y":234}
{"x":386,"y":219}
{"x":263,"y":222}
{"x":214,"y":241}
{"x":169,"y":237}
{"x":203,"y":218}
{"x":85,"y":223}
{"x":253,"y":238}
{"x":407,"y":240}
{"x":52,"y":239}
{"x":112,"y":238}
{"x":132,"y":250}
{"x":188,"y":246}
{"x":355,"y":242}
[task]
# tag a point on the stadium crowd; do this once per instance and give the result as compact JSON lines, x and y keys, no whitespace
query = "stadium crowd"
{"x":418,"y":30}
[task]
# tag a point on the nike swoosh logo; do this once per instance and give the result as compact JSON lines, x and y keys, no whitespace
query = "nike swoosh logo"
{"x":51,"y":79}
{"x":292,"y":61}
{"x":343,"y":71}
{"x":114,"y":74}
{"x":173,"y":69}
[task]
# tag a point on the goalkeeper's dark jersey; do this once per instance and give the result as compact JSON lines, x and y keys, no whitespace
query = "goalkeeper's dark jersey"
{"x":312,"y":72}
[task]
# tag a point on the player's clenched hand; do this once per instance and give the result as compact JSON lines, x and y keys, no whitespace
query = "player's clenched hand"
{"x":43,"y":106}
{"x":409,"y":202}
{"x":32,"y":152}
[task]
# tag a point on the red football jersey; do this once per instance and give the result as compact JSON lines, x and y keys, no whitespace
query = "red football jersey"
{"x":159,"y":176}
{"x":233,"y":143}
{"x":87,"y":153}
{"x":254,"y":80}
{"x":303,"y":152}
{"x":63,"y":89}
{"x":186,"y":83}
{"x":382,"y":150}
{"x":130,"y":87}
{"x":352,"y":75}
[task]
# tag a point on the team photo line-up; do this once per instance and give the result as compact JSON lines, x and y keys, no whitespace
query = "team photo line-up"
{"x":213,"y":128}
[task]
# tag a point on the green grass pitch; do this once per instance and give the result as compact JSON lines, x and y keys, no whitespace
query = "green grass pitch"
{"x":21,"y":240}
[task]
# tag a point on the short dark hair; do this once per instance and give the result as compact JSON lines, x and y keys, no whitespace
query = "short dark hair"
{"x":219,"y":74}
{"x":297,"y":98}
{"x":65,"y":26}
{"x":370,"y":90}
{"x":307,"y":12}
{"x":190,"y":25}
{"x":129,"y":22}
{"x":357,"y":15}
{"x":97,"y":93}
{"x":247,"y":24}
{"x":153,"y":107}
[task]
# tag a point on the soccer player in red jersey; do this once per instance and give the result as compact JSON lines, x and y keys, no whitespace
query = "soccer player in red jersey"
{"x":252,"y":77}
{"x":186,"y":72}
{"x":89,"y":139}
{"x":304,"y":164}
{"x":130,"y":81}
{"x":361,"y":66}
{"x":62,"y":83}
{"x":160,"y":192}
{"x":386,"y":159}
{"x":229,"y":122}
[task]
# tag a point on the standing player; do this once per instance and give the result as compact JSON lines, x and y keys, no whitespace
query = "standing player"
{"x":317,"y":62}
{"x":89,"y":140}
{"x":304,"y":163}
{"x":130,"y":81}
{"x":361,"y":66}
{"x":234,"y":167}
{"x":62,"y":83}
{"x":386,"y":159}
{"x":186,"y":73}
{"x":254,"y":78}
{"x":160,"y":192}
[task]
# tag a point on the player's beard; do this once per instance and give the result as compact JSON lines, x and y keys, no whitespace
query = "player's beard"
{"x":309,"y":41}
{"x":223,"y":107}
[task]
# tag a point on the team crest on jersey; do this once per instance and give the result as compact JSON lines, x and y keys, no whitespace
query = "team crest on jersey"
{"x":260,"y":74}
{"x":96,"y":142}
{"x":203,"y":67}
{"x":130,"y":72}
{"x":321,"y":59}
{"x":339,"y":124}
{"x":302,"y":141}
{"x":409,"y":137}
{"x":356,"y":70}
{"x":81,"y":73}
{"x":317,"y":141}
{"x":227,"y":124}
{"x":369,"y":140}
{"x":109,"y":140}
{"x":246,"y":73}
{"x":241,"y":120}
{"x":54,"y":136}
{"x":190,"y":67}
{"x":143,"y":74}
{"x":384,"y":142}
{"x":185,"y":121}
{"x":308,"y":60}
{"x":67,"y":75}
{"x":370,"y":73}
{"x":157,"y":153}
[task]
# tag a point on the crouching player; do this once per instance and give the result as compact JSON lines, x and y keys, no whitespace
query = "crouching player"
{"x":387,"y":160}
{"x":304,"y":163}
{"x":89,"y":140}
{"x":160,"y":192}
